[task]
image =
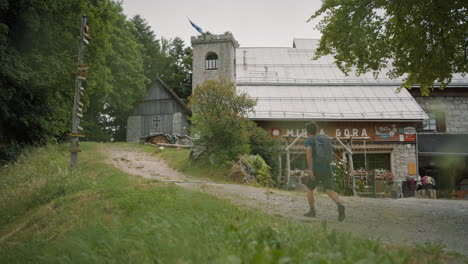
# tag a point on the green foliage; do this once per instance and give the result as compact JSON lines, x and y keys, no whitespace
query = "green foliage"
{"x":35,"y":65}
{"x":219,"y":120}
{"x":38,"y":177}
{"x":425,"y":41}
{"x":113,"y":217}
{"x":154,"y":60}
{"x":123,"y":84}
{"x":167,"y":59}
{"x":38,"y":48}
{"x":178,"y":74}
{"x":258,"y":167}
{"x":261,"y":143}
{"x":339,"y":171}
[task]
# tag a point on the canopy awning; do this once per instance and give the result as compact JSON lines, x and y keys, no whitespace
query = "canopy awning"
{"x":442,"y":144}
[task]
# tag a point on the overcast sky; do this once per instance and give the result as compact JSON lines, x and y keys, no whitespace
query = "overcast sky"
{"x":254,"y":23}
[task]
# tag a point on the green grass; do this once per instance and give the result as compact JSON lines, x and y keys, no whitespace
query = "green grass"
{"x":101,"y":215}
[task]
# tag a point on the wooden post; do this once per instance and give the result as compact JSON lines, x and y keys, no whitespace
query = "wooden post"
{"x":373,"y":185}
{"x":78,"y":83}
{"x":351,"y":172}
{"x":288,"y":168}
{"x":280,"y":170}
{"x":288,"y":158}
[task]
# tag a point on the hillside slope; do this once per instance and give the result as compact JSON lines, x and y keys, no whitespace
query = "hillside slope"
{"x":100,"y":214}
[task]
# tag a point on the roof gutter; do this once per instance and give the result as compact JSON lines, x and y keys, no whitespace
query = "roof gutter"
{"x":336,"y":120}
{"x":241,"y":83}
{"x":314,"y":84}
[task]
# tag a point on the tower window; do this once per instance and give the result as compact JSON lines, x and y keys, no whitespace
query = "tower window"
{"x":211,"y":62}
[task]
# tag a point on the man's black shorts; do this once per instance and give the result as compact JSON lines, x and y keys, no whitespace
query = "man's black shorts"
{"x":322,"y":175}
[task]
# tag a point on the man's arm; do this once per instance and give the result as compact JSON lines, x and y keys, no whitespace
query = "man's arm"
{"x":310,"y":158}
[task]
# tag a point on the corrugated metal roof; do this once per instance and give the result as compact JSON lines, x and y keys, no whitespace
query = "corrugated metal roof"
{"x":296,"y":66}
{"x":332,"y":103}
{"x":292,"y":65}
{"x":289,"y":84}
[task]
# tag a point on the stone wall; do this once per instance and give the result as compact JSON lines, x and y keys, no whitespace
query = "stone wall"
{"x":455,"y":109}
{"x":133,"y":128}
{"x":224,"y":46}
{"x":402,"y":155}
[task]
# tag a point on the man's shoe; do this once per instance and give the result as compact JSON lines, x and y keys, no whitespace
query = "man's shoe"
{"x":312,"y":213}
{"x":341,"y":213}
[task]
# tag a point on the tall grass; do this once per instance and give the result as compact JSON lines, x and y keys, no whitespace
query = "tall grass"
{"x":102,"y":215}
{"x":38,"y":177}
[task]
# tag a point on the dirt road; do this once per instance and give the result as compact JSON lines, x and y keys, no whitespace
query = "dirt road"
{"x":396,"y":221}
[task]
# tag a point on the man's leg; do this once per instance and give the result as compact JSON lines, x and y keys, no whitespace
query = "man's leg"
{"x":332,"y":194}
{"x":336,"y":198}
{"x":310,"y":198}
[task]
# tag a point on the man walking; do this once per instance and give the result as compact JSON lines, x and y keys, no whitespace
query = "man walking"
{"x":319,"y":153}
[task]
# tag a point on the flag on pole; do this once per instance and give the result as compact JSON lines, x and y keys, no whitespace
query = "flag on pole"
{"x":195,"y":26}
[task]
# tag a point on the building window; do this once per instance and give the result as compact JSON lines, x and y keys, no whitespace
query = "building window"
{"x":372,"y":160}
{"x":211,"y":61}
{"x":436,"y":122}
{"x":430,"y":124}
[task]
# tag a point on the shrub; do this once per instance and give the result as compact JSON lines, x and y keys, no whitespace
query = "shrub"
{"x":339,"y":171}
{"x":261,"y":143}
{"x":10,"y":151}
{"x":249,"y":169}
{"x":219,"y":120}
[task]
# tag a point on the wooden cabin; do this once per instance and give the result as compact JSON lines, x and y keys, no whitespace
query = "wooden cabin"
{"x":160,"y":112}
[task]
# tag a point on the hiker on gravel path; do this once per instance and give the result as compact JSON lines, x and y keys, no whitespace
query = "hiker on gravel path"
{"x":319,"y":153}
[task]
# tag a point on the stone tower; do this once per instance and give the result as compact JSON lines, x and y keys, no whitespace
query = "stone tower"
{"x":214,"y":57}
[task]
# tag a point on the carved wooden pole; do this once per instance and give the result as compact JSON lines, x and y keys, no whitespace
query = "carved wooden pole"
{"x":79,"y":92}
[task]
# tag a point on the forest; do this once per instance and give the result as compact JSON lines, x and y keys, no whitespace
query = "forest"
{"x":38,"y":52}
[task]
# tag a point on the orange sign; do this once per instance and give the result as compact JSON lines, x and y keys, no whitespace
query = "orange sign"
{"x":412,"y":168}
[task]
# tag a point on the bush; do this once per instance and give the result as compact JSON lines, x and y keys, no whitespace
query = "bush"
{"x":249,"y":169}
{"x":261,"y":143}
{"x":339,"y":171}
{"x":9,"y":152}
{"x":219,"y":120}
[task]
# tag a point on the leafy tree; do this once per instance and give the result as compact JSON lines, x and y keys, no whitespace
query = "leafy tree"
{"x":425,"y":41}
{"x":38,"y":46}
{"x":155,"y":60}
{"x":168,"y":59}
{"x":219,"y":120}
{"x":178,"y":75}
{"x":35,"y":63}
{"x":109,"y":108}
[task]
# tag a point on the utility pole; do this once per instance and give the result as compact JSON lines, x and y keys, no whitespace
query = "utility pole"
{"x":81,"y":72}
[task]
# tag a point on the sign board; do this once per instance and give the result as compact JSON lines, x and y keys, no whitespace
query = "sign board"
{"x":360,"y":131}
{"x":386,"y":132}
{"x":409,"y":133}
{"x":276,"y":132}
{"x":412,"y":168}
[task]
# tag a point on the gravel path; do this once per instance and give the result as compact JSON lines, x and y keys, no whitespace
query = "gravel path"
{"x":395,"y":221}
